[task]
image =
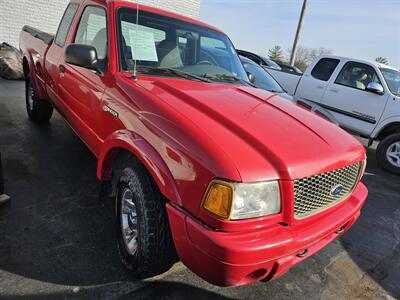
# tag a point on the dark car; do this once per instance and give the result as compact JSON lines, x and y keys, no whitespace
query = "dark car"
{"x":259,"y":60}
{"x":263,"y":80}
{"x":289,"y":69}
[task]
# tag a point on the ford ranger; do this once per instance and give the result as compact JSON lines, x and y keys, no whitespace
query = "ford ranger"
{"x":236,"y":182}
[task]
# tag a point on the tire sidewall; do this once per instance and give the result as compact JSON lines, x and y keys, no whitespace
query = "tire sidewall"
{"x":382,"y":151}
{"x":129,"y":180}
{"x":28,"y":85}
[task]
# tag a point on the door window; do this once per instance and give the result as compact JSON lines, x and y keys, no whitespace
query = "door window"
{"x":357,"y":75}
{"x":65,"y":24}
{"x":324,"y":69}
{"x":92,"y":30}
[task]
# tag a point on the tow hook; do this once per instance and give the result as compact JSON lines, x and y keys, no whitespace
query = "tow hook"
{"x":303,"y":254}
{"x":341,"y":230}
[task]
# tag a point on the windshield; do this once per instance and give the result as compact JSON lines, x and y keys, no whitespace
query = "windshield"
{"x":392,"y":78}
{"x":160,"y":43}
{"x":263,"y":79}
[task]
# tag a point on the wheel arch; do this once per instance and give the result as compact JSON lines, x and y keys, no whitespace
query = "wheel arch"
{"x":29,"y":69}
{"x":388,"y":129}
{"x":25,"y":66}
{"x":127,"y":142}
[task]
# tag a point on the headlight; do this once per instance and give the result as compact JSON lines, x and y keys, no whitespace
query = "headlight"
{"x":238,"y":201}
{"x":364,"y":167}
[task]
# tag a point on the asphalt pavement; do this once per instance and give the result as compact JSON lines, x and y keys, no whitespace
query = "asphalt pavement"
{"x":57,"y":235}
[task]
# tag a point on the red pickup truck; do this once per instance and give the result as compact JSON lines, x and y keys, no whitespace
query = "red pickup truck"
{"x":239,"y":183}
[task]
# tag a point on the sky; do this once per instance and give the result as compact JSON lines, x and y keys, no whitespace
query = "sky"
{"x":363,"y":29}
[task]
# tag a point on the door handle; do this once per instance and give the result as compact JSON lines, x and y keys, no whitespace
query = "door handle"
{"x":320,"y":87}
{"x":334,"y":91}
{"x":61,"y":69}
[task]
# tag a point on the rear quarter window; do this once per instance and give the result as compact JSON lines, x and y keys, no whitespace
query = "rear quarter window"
{"x":65,"y":24}
{"x":324,"y":69}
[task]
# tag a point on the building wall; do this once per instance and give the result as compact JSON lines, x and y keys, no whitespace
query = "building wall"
{"x":46,"y":14}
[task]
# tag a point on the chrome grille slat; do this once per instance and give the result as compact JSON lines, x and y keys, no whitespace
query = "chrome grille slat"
{"x":313,"y":194}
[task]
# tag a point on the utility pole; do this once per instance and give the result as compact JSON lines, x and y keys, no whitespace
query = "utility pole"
{"x":297,"y":38}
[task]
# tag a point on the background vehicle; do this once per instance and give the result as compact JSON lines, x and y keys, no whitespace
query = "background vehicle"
{"x":260,"y":60}
{"x":363,"y":97}
{"x":263,"y":80}
{"x":288,"y":68}
{"x":199,"y":163}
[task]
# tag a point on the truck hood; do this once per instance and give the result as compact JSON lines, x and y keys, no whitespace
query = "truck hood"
{"x":267,"y":137}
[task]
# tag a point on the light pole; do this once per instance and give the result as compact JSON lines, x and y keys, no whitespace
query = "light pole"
{"x":297,"y":38}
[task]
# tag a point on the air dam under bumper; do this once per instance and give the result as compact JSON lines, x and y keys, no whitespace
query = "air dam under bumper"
{"x":238,"y":258}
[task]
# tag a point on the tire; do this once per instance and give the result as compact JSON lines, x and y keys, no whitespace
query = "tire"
{"x":388,"y":154}
{"x":39,"y":111}
{"x":154,"y":253}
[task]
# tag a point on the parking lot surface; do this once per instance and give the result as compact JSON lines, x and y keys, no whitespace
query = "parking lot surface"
{"x":57,"y":234}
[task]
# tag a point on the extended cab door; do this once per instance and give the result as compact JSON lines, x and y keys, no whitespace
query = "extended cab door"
{"x":347,"y":97}
{"x":313,"y":83}
{"x":82,"y":89}
{"x":56,"y":51}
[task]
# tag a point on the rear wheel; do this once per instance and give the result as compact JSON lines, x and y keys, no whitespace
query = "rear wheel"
{"x":388,"y":153}
{"x":144,"y":239}
{"x":39,"y":111}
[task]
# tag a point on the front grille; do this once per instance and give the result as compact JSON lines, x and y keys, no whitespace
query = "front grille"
{"x":317,"y":193}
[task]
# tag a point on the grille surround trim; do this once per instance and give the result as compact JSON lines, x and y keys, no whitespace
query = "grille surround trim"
{"x":312,"y":195}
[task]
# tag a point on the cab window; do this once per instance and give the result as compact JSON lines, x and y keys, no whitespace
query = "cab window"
{"x":357,"y":75}
{"x":324,"y":69}
{"x":65,"y":24}
{"x":92,"y":30}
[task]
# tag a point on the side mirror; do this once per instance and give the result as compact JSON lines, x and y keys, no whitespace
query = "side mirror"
{"x":376,"y":88}
{"x":252,"y":78}
{"x":82,"y":56}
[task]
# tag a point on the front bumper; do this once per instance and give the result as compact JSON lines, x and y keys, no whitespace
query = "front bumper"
{"x":238,"y":258}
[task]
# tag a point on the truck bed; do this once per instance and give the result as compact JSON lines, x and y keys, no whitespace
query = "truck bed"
{"x":36,"y":43}
{"x":36,"y":33}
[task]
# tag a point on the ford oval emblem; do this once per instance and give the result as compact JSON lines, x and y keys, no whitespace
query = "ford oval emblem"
{"x":337,"y":190}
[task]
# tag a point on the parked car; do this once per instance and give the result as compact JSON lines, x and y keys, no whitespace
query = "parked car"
{"x":363,"y":96}
{"x":260,"y":60}
{"x":288,"y":68}
{"x":263,"y":80}
{"x":239,"y":184}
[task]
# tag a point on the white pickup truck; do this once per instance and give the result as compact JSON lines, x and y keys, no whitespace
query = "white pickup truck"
{"x":363,"y":97}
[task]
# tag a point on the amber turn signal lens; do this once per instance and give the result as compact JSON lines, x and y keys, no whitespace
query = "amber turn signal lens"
{"x":219,"y":200}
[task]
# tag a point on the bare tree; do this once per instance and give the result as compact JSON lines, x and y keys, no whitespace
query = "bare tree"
{"x":382,"y":60}
{"x":276,"y":53}
{"x":305,"y":56}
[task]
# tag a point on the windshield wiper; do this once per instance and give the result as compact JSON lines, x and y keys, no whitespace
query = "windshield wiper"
{"x":227,"y":77}
{"x":175,"y":72}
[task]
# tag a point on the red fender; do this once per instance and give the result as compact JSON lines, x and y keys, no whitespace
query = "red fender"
{"x":30,"y":68}
{"x":148,"y":156}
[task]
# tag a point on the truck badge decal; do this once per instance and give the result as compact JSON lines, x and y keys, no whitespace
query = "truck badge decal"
{"x":368,"y":117}
{"x":110,"y":111}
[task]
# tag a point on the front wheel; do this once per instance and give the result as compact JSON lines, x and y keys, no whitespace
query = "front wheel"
{"x":388,"y":153}
{"x":144,"y":239}
{"x":39,"y":111}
